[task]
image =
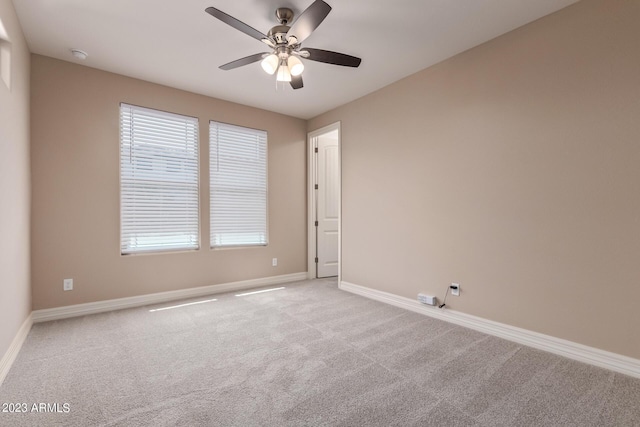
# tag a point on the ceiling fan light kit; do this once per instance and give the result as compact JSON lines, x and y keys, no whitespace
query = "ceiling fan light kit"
{"x":270,"y":63}
{"x":295,"y":66}
{"x":285,"y":42}
{"x":284,"y":75}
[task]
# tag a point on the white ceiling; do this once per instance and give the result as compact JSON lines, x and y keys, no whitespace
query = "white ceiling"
{"x":175,"y":43}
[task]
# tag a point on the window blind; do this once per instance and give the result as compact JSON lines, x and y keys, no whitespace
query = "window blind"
{"x":158,"y":181}
{"x":238,"y":173}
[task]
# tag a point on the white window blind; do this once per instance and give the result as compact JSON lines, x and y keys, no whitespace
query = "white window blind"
{"x":158,"y":181}
{"x":238,"y":173}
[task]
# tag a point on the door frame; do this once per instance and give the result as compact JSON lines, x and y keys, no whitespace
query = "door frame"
{"x":312,"y":163}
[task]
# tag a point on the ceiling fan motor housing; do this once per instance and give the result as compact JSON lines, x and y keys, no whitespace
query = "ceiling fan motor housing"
{"x":279,"y":34}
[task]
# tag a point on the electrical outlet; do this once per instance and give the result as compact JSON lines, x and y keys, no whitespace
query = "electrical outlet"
{"x":67,"y":284}
{"x":455,"y":289}
{"x":274,"y":262}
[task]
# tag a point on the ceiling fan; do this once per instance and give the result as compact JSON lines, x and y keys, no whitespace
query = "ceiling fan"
{"x":285,"y":42}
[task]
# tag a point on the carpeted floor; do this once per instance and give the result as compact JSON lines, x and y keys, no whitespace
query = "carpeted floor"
{"x":306,"y":355}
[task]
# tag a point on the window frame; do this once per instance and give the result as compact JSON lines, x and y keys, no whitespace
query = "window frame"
{"x":212,"y":238}
{"x":194,"y":163}
{"x":5,"y":57}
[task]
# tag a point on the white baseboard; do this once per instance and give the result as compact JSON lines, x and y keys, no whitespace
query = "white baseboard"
{"x":11,"y":354}
{"x":582,"y":353}
{"x":137,"y":301}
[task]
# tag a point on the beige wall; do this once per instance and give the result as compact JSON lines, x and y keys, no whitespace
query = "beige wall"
{"x":75,"y":173}
{"x":15,"y":292}
{"x":513,"y":169}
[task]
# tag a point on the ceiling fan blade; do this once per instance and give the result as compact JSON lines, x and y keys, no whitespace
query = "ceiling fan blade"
{"x":330,"y":57}
{"x":296,"y":82}
{"x":309,"y":20}
{"x":243,"y":61}
{"x":238,"y":25}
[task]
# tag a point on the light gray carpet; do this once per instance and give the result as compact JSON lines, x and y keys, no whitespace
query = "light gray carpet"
{"x":307,"y":355}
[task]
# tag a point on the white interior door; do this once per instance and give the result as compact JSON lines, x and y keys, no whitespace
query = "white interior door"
{"x":328,"y":204}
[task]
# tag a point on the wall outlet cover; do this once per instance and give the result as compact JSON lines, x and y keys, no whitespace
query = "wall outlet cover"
{"x":455,"y":292}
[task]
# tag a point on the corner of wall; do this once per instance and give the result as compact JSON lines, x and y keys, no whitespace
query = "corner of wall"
{"x":15,"y":216}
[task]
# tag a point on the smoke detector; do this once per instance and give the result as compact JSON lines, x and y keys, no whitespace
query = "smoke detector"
{"x":79,"y":54}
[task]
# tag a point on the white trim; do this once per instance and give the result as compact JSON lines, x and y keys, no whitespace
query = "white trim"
{"x":582,"y":353}
{"x":137,"y":301}
{"x":312,"y":179}
{"x":13,"y":350}
{"x":311,"y":206}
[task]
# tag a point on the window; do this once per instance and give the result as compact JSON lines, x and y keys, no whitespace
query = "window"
{"x":158,"y":181}
{"x":238,"y":173}
{"x":5,"y":57}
